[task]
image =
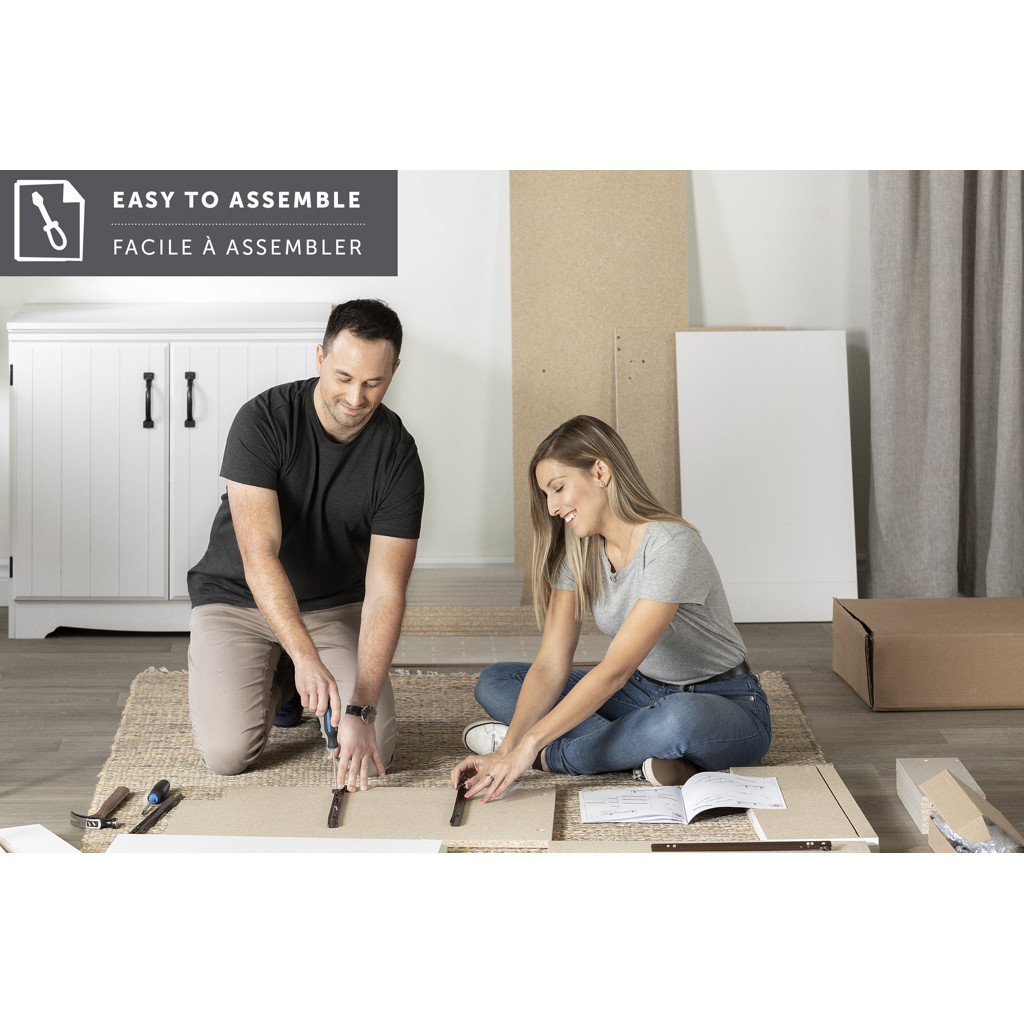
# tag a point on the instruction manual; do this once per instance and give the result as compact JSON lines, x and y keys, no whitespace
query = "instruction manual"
{"x":679,"y":805}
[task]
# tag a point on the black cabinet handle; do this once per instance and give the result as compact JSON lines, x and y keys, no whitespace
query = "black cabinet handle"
{"x":148,"y":421}
{"x":189,"y":377}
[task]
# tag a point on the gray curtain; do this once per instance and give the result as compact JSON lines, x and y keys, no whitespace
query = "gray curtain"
{"x":946,"y":506}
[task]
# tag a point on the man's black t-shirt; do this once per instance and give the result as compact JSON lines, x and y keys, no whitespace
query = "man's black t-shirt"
{"x":333,"y":496}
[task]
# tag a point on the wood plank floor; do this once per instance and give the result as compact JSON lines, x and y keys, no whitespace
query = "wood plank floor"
{"x":62,"y":699}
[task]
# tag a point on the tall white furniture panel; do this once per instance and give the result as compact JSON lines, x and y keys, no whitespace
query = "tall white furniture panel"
{"x":766,"y":468}
{"x":113,"y":495}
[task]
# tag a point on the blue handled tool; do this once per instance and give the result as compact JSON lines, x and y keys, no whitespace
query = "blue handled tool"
{"x":332,"y":739}
{"x":337,"y":794}
{"x":157,"y":795}
{"x":332,"y":733}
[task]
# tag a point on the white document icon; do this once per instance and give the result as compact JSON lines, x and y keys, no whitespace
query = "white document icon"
{"x":49,"y":221}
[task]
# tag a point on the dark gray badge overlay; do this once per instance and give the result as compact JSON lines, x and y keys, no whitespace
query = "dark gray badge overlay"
{"x":199,"y":223}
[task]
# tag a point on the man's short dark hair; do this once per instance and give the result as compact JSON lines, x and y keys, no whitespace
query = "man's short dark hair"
{"x":369,"y":319}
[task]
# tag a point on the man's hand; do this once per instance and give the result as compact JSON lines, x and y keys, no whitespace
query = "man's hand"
{"x":317,"y":688}
{"x":357,"y":747}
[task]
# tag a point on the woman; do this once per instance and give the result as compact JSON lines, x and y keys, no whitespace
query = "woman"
{"x":674,"y":689}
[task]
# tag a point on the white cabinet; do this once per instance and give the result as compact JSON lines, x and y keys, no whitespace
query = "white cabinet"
{"x":119,"y":416}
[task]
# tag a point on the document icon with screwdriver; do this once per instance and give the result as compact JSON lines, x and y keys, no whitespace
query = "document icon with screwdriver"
{"x":49,"y":221}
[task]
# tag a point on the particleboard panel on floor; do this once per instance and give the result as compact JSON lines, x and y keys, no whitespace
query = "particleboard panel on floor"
{"x":590,"y":250}
{"x":523,"y":818}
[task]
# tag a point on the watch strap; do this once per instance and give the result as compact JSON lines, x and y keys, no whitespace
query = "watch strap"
{"x":367,"y":712}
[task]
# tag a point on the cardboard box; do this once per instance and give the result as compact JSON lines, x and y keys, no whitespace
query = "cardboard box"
{"x":963,"y":810}
{"x":912,"y":771}
{"x":923,"y":654}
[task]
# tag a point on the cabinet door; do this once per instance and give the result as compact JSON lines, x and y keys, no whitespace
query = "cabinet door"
{"x":90,"y":490}
{"x":226,"y":375}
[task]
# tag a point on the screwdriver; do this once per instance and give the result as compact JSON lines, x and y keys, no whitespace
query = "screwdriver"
{"x":156,"y":794}
{"x":332,"y":741}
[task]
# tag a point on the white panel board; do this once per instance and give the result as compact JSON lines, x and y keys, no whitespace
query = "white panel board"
{"x":144,"y":843}
{"x":765,"y":467}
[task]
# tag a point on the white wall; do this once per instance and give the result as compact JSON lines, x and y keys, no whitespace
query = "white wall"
{"x":788,"y":249}
{"x":453,"y":389}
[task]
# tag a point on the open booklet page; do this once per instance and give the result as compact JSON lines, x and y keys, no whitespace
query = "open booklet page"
{"x":680,"y":804}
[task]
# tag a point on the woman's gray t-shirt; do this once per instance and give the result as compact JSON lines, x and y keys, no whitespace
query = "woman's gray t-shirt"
{"x":672,"y":565}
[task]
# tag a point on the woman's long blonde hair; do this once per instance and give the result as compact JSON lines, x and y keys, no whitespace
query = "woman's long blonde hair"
{"x":580,"y":443}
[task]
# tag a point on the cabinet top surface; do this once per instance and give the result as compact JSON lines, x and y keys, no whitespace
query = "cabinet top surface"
{"x":171,"y":316}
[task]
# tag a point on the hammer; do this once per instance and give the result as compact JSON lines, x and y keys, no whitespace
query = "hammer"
{"x":100,"y":819}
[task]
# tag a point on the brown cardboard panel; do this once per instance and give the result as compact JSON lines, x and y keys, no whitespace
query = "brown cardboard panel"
{"x":956,"y":616}
{"x":523,"y":818}
{"x":818,"y":806}
{"x":932,"y":653}
{"x":646,"y":408}
{"x":851,"y":656}
{"x":590,"y":250}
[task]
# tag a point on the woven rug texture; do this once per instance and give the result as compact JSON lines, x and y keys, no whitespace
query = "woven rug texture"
{"x":154,"y":741}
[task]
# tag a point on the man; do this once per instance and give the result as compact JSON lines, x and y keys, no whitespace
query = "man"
{"x":310,"y":552}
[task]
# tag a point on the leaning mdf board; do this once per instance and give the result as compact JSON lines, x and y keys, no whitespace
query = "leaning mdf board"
{"x":646,"y":416}
{"x":524,"y":818}
{"x":765,"y":467}
{"x":589,"y":250}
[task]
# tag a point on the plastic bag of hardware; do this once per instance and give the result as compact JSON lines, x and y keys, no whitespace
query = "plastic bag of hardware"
{"x":998,"y":842}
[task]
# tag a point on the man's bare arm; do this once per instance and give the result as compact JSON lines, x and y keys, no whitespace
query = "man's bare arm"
{"x":387,"y":577}
{"x":257,"y":519}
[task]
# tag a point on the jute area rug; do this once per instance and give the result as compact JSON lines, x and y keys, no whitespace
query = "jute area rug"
{"x":154,"y":741}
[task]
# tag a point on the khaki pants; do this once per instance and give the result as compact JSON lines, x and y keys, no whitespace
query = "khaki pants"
{"x":232,"y":696}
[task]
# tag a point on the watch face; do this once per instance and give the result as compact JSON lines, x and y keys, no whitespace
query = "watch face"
{"x":368,"y":713}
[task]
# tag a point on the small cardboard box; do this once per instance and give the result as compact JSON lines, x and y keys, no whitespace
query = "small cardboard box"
{"x":963,"y":810}
{"x":923,"y":654}
{"x":912,"y":771}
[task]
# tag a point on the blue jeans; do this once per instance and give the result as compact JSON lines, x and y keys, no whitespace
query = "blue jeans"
{"x":714,"y":725}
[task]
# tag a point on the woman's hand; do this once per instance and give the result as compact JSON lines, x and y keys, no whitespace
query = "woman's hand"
{"x":491,"y":774}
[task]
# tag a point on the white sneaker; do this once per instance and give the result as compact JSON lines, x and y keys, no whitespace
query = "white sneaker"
{"x":485,"y":736}
{"x":665,"y":771}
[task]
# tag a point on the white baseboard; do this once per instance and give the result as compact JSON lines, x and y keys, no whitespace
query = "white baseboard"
{"x":444,"y":562}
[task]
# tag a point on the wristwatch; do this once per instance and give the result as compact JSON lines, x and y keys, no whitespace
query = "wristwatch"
{"x":367,"y":712}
